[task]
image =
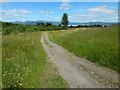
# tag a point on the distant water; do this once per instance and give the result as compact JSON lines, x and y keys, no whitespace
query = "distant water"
{"x":87,"y":23}
{"x":71,"y":23}
{"x":92,"y":23}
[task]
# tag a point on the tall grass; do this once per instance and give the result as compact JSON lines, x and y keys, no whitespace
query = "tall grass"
{"x":25,"y":63}
{"x":98,"y":45}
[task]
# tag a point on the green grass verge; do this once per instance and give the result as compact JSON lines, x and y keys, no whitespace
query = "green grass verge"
{"x":97,"y":45}
{"x":25,"y":63}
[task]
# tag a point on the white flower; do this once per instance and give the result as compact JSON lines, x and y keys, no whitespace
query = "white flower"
{"x":32,"y":41}
{"x":3,"y":74}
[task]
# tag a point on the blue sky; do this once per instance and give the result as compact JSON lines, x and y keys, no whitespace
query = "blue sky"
{"x":53,"y":11}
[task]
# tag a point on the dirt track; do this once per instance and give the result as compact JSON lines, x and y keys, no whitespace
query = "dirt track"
{"x":78,"y":72}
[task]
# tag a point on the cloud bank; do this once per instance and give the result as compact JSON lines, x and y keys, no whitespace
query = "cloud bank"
{"x":65,"y":6}
{"x":99,"y":13}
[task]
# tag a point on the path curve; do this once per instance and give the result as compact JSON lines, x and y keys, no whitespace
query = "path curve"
{"x":79,"y":73}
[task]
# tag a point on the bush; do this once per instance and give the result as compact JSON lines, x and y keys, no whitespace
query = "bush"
{"x":9,"y":28}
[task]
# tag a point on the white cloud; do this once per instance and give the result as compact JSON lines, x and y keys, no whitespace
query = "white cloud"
{"x":90,"y":17}
{"x":20,"y":12}
{"x":57,"y":17}
{"x":65,"y":6}
{"x":70,"y":17}
{"x":52,"y":18}
{"x":80,"y":15}
{"x":14,"y":14}
{"x":101,"y":9}
{"x":99,"y":13}
{"x":3,"y":1}
{"x":47,"y":12}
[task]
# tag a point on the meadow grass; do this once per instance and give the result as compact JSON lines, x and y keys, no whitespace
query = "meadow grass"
{"x":25,"y":64}
{"x":99,"y":45}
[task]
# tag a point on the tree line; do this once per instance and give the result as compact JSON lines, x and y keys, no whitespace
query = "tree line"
{"x":8,"y":28}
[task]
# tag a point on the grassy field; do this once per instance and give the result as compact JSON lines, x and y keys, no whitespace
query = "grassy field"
{"x":98,"y":45}
{"x":25,"y":63}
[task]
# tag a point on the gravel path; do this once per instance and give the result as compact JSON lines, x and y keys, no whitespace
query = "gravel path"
{"x":78,"y":72}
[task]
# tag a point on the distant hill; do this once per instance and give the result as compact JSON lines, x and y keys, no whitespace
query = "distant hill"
{"x":71,"y":23}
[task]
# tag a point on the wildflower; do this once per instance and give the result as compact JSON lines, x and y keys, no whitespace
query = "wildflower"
{"x":32,"y":42}
{"x":29,"y":70}
{"x":7,"y":59}
{"x":3,"y":74}
{"x":20,"y":84}
{"x":9,"y":73}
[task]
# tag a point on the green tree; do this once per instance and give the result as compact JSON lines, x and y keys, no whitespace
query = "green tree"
{"x":64,"y":20}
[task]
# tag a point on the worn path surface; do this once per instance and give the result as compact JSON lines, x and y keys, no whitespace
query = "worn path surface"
{"x":78,"y":72}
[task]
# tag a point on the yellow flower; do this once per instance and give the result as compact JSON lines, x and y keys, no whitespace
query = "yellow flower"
{"x":20,"y":84}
